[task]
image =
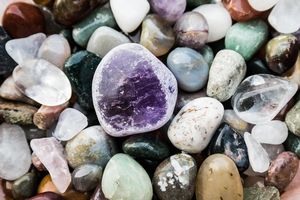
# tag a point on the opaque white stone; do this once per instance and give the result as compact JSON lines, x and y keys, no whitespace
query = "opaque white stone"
{"x":262,"y":5}
{"x":129,"y":14}
{"x":218,"y":20}
{"x":193,"y":127}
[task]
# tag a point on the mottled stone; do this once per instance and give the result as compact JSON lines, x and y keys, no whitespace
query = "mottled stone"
{"x":189,"y":68}
{"x":174,"y":178}
{"x":226,"y":73}
{"x":247,"y":38}
{"x":293,"y":144}
{"x":25,"y":186}
{"x":22,"y":19}
{"x":240,"y":10}
{"x":282,"y":53}
{"x":92,"y":145}
{"x":80,"y":69}
{"x":157,"y":35}
{"x":259,"y":98}
{"x":83,"y":30}
{"x":261,"y":193}
{"x":143,"y":98}
{"x":47,"y":196}
{"x":15,"y":156}
{"x":191,"y":30}
{"x":227,"y":141}
{"x":218,"y":178}
{"x":147,"y":147}
{"x":86,"y":177}
{"x":282,"y":170}
{"x":68,"y":12}
{"x":193,"y":127}
{"x":292,"y":119}
{"x":235,"y":122}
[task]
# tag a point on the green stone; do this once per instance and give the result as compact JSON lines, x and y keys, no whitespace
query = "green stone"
{"x":292,"y":144}
{"x":292,"y":119}
{"x":126,"y":179}
{"x":207,"y":53}
{"x":196,"y":3}
{"x":146,"y":147}
{"x":246,"y":38}
{"x":80,"y":69}
{"x":25,"y":186}
{"x":85,"y":28}
{"x":264,"y":193}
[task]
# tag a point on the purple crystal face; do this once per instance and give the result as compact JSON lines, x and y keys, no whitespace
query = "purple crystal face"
{"x":133,"y":92}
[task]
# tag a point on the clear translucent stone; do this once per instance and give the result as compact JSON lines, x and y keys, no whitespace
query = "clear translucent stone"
{"x":15,"y":156}
{"x":50,"y":153}
{"x":259,"y":98}
{"x":285,"y":16}
{"x":258,"y":157}
{"x":262,"y":5}
{"x":70,"y":123}
{"x":25,"y":48}
{"x":43,"y":82}
{"x":273,"y":132}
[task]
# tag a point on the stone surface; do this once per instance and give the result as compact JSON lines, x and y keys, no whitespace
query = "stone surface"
{"x":70,"y":123}
{"x":22,"y":19}
{"x":253,"y":181}
{"x":133,"y":92}
{"x":24,"y":187}
{"x":295,"y":182}
{"x":273,"y":150}
{"x":55,"y":49}
{"x":108,"y":38}
{"x":51,"y":154}
{"x":43,"y":82}
{"x":15,"y":157}
{"x":247,"y":38}
{"x":231,"y":118}
{"x":272,"y":132}
{"x":129,"y":14}
{"x":83,"y":30}
{"x":189,"y":68}
{"x":175,"y":177}
{"x":157,"y":35}
{"x":80,"y":69}
{"x":291,"y":194}
{"x":218,"y":20}
{"x":47,"y":196}
{"x":257,"y":66}
{"x":25,"y":48}
{"x":193,"y":127}
{"x":7,"y":64}
{"x":98,"y":194}
{"x":68,"y":12}
{"x":282,"y":53}
{"x":259,"y":98}
{"x":262,"y":5}
{"x":186,"y":97}
{"x":226,"y":73}
{"x":36,"y":162}
{"x":207,"y":53}
{"x":124,"y":178}
{"x":32,"y":132}
{"x":293,"y":144}
{"x":283,"y":12}
{"x":92,"y":145}
{"x":227,"y":141}
{"x":169,"y":10}
{"x":292,"y":119}
{"x":282,"y":170}
{"x":51,"y":26}
{"x":261,"y":193}
{"x":240,"y":10}
{"x":258,"y":157}
{"x":294,"y":73}
{"x":147,"y":147}
{"x":86,"y":177}
{"x":191,"y":30}
{"x":218,"y":178}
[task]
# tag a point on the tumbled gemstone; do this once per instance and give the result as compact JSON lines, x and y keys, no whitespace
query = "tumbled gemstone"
{"x":133,"y":92}
{"x":262,"y":5}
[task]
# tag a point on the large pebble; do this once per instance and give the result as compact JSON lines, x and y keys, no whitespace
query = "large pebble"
{"x":189,"y":68}
{"x":175,"y":177}
{"x":218,"y":179}
{"x":193,"y":127}
{"x":15,"y":156}
{"x":292,"y":119}
{"x":226,"y":73}
{"x":125,"y":179}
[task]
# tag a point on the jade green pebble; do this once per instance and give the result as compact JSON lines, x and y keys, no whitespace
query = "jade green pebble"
{"x":261,"y":193}
{"x":247,"y":38}
{"x":126,"y":179}
{"x":292,"y":144}
{"x":80,"y":69}
{"x":292,"y":119}
{"x":85,"y":28}
{"x":196,"y":3}
{"x":207,"y":53}
{"x":25,"y":186}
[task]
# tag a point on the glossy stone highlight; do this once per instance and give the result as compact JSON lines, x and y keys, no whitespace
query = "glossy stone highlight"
{"x":240,"y":10}
{"x":133,"y":92}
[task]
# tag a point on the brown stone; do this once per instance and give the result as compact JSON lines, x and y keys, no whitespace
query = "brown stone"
{"x":22,"y":20}
{"x":240,"y":10}
{"x":47,"y":3}
{"x":282,"y":170}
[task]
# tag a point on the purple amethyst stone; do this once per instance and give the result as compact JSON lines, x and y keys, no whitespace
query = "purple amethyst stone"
{"x":133,"y":91}
{"x":170,"y":10}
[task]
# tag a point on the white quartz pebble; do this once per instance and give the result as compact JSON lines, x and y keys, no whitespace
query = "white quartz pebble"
{"x":69,"y":124}
{"x":262,"y":5}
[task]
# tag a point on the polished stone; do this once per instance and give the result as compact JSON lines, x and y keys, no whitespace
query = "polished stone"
{"x":186,"y":97}
{"x":240,"y":10}
{"x":207,"y":53}
{"x":273,"y":150}
{"x":25,"y":186}
{"x":262,"y":5}
{"x":261,"y":193}
{"x":47,"y":196}
{"x":292,"y":119}
{"x":239,"y":125}
{"x":293,"y":144}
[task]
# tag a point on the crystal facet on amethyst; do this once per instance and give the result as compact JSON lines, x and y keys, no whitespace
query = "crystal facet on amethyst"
{"x":133,"y":92}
